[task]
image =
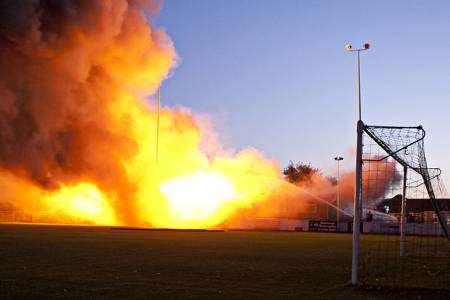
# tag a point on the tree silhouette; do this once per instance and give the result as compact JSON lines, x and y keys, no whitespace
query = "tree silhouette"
{"x":299,"y":172}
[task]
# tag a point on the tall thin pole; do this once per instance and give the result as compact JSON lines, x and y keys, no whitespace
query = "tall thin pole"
{"x":338,"y":192}
{"x":403,"y":214}
{"x":358,"y":202}
{"x":158,"y":108}
{"x":358,"y":76}
{"x":357,"y":208}
{"x":338,"y":200}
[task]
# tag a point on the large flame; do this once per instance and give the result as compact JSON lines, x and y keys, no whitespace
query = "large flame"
{"x":78,"y":135}
{"x":200,"y":199}
{"x":82,"y":203}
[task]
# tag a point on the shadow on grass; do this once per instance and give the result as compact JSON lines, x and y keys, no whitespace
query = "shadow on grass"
{"x":349,"y":291}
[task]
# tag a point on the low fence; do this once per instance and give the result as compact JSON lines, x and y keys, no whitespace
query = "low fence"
{"x":374,"y":227}
{"x":411,"y":228}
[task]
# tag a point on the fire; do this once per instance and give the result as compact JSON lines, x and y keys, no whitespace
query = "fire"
{"x":78,"y":135}
{"x":200,"y":199}
{"x":83,"y":203}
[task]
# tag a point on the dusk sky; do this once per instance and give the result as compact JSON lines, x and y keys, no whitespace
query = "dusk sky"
{"x":275,"y":75}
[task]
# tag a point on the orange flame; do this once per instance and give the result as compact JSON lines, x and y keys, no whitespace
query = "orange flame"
{"x":82,"y":203}
{"x":77,"y":140}
{"x":199,"y":199}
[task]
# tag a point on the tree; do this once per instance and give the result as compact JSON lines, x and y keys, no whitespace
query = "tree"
{"x":299,"y":172}
{"x":291,"y":173}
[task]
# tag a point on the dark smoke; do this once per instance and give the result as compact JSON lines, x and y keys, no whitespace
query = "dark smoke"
{"x":58,"y":76}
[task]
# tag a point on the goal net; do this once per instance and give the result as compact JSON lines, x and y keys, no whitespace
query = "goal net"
{"x":405,"y":212}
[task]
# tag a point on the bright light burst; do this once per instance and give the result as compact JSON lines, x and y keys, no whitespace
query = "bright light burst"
{"x":82,"y":203}
{"x":199,"y":199}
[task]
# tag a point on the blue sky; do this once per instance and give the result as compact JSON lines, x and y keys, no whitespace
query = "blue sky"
{"x":275,"y":74}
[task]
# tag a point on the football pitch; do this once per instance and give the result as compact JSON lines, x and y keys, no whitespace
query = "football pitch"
{"x":100,"y":262}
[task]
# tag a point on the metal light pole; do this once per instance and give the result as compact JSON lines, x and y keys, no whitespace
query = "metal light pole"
{"x":403,"y":214}
{"x":358,"y":199}
{"x":158,"y":109}
{"x":338,"y":159}
{"x":349,"y":47}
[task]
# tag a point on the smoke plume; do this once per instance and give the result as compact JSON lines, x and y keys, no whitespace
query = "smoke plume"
{"x":66,"y":67}
{"x":77,"y":136}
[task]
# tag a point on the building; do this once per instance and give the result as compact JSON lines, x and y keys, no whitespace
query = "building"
{"x":418,"y":210}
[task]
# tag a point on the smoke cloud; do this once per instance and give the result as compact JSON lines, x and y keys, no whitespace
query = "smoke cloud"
{"x":77,"y":138}
{"x":65,"y":66}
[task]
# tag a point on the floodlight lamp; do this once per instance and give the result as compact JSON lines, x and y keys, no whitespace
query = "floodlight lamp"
{"x":366,"y":46}
{"x":348,"y":47}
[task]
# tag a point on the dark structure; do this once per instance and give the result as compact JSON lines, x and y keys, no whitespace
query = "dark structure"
{"x":417,"y":210}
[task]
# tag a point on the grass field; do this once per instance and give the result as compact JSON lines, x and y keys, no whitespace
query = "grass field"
{"x":95,"y":262}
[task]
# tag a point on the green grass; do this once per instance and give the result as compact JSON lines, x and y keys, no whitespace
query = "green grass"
{"x":426,"y":262}
{"x":76,"y":262}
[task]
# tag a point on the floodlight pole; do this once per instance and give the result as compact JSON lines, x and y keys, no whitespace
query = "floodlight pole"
{"x":158,"y":109}
{"x":403,"y":214}
{"x":358,"y":75}
{"x":338,"y":192}
{"x":357,"y":208}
